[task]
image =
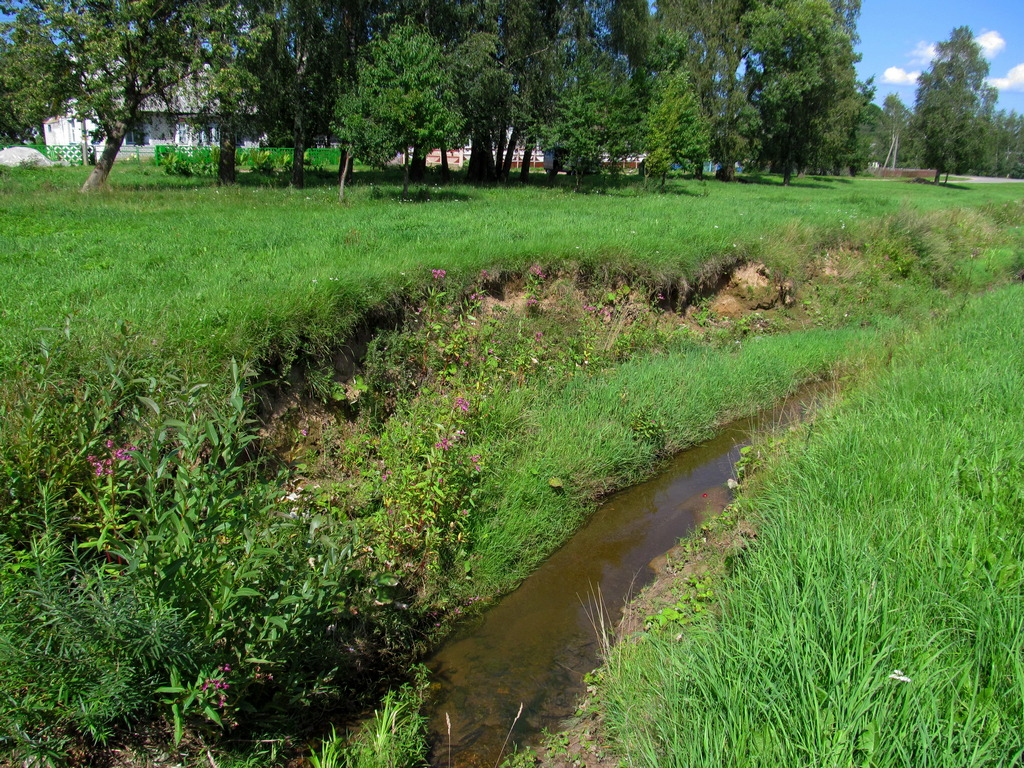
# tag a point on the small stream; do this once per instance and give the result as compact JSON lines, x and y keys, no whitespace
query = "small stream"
{"x":534,"y":646}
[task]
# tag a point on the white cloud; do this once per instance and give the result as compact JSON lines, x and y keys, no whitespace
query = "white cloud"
{"x":923,"y":54}
{"x":991,"y":43}
{"x":899,"y":76}
{"x":1014,"y":80}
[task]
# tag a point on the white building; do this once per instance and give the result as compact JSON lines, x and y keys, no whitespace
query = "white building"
{"x":155,"y":127}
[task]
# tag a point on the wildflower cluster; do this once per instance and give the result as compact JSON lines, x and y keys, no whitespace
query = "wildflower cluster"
{"x":534,"y":277}
{"x":216,"y":686}
{"x":105,"y":466}
{"x":447,"y":442}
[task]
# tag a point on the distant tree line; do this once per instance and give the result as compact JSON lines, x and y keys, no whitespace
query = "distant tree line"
{"x":953,"y":126}
{"x":767,"y":83}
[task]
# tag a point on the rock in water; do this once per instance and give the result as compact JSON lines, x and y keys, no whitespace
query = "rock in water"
{"x":23,"y":157}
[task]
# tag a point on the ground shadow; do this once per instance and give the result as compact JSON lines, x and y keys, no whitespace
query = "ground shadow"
{"x":801,"y":182}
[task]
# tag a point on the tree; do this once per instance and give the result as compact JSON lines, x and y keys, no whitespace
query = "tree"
{"x":953,"y":103}
{"x":404,"y":99}
{"x":225,"y":92}
{"x":1006,"y":147}
{"x":712,"y":43}
{"x":677,"y":132}
{"x":306,"y":47}
{"x":596,"y":116}
{"x":895,"y":122}
{"x":116,"y":56}
{"x":801,"y":81}
{"x":26,"y":97}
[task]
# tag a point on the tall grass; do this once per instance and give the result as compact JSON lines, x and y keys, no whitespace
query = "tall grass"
{"x":880,"y":619}
{"x":610,"y":430}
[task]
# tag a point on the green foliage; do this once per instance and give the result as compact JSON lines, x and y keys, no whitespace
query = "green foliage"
{"x":403,"y":99}
{"x":709,"y":42}
{"x":181,"y":162}
{"x":596,"y":118}
{"x":695,"y":604}
{"x":953,"y":101}
{"x":162,"y":573}
{"x":395,"y":737}
{"x":162,"y":560}
{"x":677,"y":133}
{"x":802,"y":80}
{"x":112,"y":58}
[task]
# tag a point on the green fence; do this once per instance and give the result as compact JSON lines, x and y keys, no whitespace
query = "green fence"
{"x":57,"y":153}
{"x":256,"y":158}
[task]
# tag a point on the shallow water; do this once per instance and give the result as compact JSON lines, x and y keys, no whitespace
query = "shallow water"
{"x":534,"y":646}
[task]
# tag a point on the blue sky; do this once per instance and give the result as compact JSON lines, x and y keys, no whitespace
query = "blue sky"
{"x":896,"y":35}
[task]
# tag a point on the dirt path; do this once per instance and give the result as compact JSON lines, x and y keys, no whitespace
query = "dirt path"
{"x":986,"y":180}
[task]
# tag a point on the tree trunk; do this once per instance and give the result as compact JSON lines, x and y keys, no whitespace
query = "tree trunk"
{"x":226,"y":161}
{"x":787,"y":174}
{"x":405,"y":168}
{"x":510,"y":152}
{"x":938,"y":175}
{"x":888,"y":155}
{"x":473,"y":169}
{"x":726,"y":171}
{"x":345,"y":163}
{"x":489,"y":171}
{"x":342,"y":174}
{"x":524,"y":169}
{"x":111,"y":146}
{"x":418,"y":167}
{"x":499,"y":156}
{"x":299,"y":162}
{"x":445,"y":172}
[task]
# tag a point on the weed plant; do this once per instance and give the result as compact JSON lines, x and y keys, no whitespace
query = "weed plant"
{"x":879,"y":619}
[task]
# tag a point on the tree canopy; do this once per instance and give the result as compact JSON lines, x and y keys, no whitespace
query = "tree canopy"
{"x":112,"y":57}
{"x":772,"y":81}
{"x":953,"y":104}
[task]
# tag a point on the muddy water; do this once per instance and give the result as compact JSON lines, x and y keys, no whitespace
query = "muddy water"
{"x":535,"y":645}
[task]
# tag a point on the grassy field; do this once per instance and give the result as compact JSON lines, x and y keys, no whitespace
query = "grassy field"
{"x":880,"y":618}
{"x":203,"y":573}
{"x":208,"y":273}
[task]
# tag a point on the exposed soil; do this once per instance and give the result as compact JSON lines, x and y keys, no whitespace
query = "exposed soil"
{"x":293,"y":412}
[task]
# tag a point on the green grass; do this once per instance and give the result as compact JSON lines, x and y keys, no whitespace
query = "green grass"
{"x":610,"y":430}
{"x":259,"y":270}
{"x":419,"y":501}
{"x":891,"y":547}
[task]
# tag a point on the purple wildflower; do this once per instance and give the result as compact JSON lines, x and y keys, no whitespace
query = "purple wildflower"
{"x":438,"y":274}
{"x":462,"y":404}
